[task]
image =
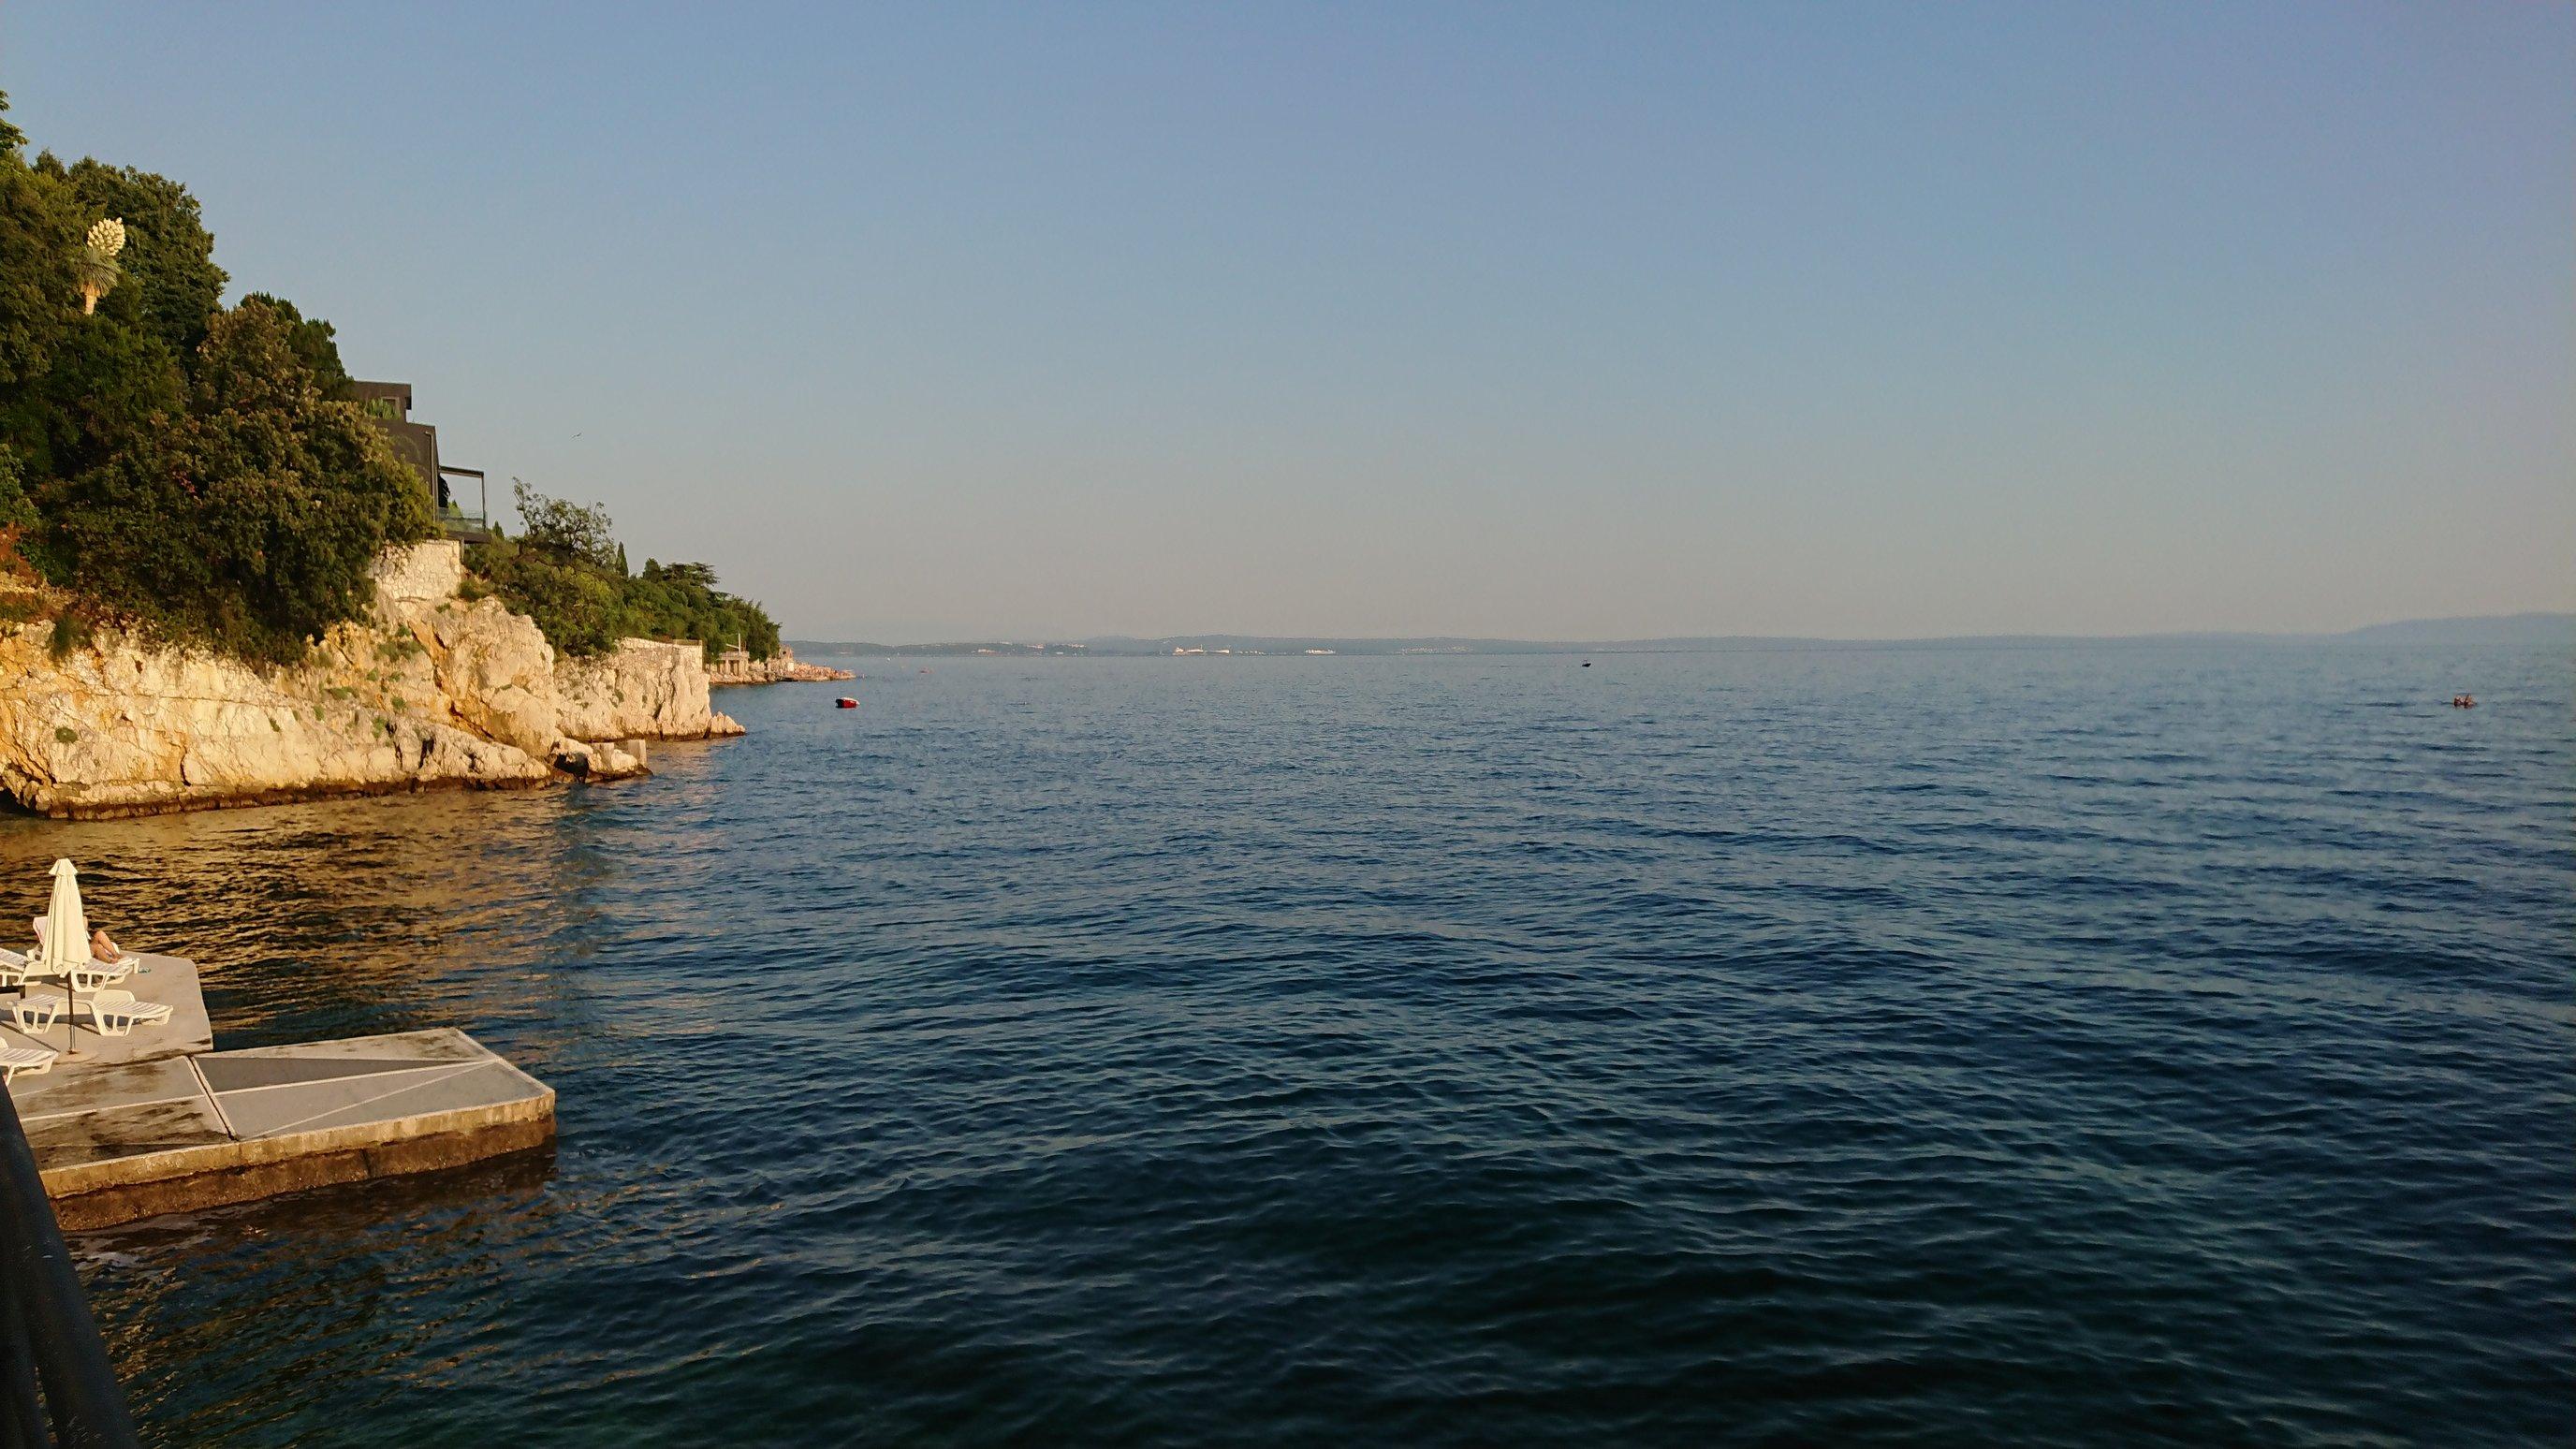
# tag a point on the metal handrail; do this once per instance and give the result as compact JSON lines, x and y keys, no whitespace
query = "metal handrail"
{"x":53,"y":1367}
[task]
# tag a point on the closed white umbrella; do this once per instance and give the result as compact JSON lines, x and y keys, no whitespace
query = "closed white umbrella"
{"x":66,"y":942}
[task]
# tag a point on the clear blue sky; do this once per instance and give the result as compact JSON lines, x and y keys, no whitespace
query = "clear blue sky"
{"x":1575,"y":320}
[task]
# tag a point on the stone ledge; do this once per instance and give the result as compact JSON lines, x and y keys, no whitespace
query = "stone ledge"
{"x":48,"y":802}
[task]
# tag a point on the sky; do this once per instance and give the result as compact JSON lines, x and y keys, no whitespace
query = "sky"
{"x":1568,"y":321}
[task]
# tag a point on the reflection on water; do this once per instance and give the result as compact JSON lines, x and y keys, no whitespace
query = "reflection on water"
{"x":2012,"y":1047}
{"x":201,"y":1304}
{"x":302,"y":1318}
{"x":344,"y":918}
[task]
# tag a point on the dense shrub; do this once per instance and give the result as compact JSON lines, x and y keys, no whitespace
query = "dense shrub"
{"x":104,"y":385}
{"x":171,"y":285}
{"x":17,"y":510}
{"x":251,"y":520}
{"x":567,"y":572}
{"x":163,"y":460}
{"x":316,"y":343}
{"x":40,"y":230}
{"x":681,"y":601}
{"x":575,"y":604}
{"x":199,"y":472}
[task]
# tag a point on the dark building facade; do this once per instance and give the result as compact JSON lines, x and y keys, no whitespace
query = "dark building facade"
{"x":461,"y":515}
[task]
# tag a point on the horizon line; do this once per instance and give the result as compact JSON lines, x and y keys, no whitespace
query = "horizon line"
{"x":2527,"y":617}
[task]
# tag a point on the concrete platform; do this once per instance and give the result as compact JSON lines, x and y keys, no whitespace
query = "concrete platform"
{"x":123,"y":1139}
{"x":171,"y":979}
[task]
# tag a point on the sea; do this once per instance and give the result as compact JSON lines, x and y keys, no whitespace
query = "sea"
{"x":2075,"y":1045}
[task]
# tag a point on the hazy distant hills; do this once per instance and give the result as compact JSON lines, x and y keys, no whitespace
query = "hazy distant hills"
{"x":2487,"y":629}
{"x":2506,"y":629}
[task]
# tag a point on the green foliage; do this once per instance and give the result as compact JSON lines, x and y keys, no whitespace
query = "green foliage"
{"x":681,"y":601}
{"x":41,"y":224}
{"x":251,"y":521}
{"x":315,"y":341}
{"x":17,"y":510}
{"x":567,"y":530}
{"x":171,"y":284}
{"x":74,"y":388}
{"x":71,"y":631}
{"x":567,"y":572}
{"x":107,"y":383}
{"x":574,"y":602}
{"x":201,"y":473}
{"x":98,"y":271}
{"x":165,"y":461}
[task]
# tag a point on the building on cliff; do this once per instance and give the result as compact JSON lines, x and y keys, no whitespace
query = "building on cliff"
{"x":388,"y":406}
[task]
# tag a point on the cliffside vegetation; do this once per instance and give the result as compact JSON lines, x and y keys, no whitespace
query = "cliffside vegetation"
{"x":202,"y":472}
{"x":567,"y":571}
{"x":166,"y":460}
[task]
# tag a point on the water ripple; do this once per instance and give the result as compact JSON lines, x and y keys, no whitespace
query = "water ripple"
{"x":2022,"y":1047}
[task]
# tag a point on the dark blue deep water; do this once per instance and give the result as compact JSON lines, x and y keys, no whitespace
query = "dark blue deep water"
{"x":2014,"y":1047}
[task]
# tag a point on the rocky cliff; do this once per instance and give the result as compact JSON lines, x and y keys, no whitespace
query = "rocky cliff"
{"x":433,"y":691}
{"x":640,"y":688}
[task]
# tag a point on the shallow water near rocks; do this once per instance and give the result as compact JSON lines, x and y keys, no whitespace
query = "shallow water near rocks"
{"x":2082,"y":1045}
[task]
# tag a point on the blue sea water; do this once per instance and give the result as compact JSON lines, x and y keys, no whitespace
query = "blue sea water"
{"x":2060,"y":1046}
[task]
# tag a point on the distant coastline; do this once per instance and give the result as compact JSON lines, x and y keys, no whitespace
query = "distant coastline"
{"x":2532,"y":629}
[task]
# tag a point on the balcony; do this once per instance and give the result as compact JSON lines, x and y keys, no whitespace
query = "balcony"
{"x":457,"y":519}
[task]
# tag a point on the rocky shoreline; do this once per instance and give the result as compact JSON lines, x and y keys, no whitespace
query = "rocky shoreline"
{"x":781,"y":669}
{"x":432,"y":692}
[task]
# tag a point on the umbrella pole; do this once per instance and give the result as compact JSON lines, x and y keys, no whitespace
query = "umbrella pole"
{"x":71,"y":1021}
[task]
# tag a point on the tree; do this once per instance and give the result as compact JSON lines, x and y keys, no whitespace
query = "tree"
{"x":574,"y":604}
{"x":252,"y":521}
{"x":169,"y":256}
{"x":41,"y":226}
{"x":687,"y":575}
{"x":17,"y":511}
{"x":105,"y":382}
{"x":162,"y":460}
{"x":584,"y":601}
{"x":566,"y":529}
{"x":315,"y":341}
{"x":99,"y":271}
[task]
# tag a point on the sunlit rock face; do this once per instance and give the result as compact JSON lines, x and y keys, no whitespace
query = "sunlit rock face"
{"x":433,"y":692}
{"x":642,"y":689}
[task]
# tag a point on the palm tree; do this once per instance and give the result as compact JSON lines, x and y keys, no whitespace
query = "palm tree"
{"x":98,"y":268}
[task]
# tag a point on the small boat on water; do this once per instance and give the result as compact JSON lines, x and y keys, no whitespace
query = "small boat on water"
{"x":2464,"y":701}
{"x":845,"y":702}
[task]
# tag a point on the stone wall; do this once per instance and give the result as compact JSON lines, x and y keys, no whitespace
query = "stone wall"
{"x":781,"y":668}
{"x":421,"y":574}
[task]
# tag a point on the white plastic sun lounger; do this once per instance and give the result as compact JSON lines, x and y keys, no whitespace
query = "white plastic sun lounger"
{"x":17,"y":966}
{"x":88,"y":976}
{"x":36,"y":1013}
{"x":119,"y":1012}
{"x":31,"y":1060}
{"x":91,"y":975}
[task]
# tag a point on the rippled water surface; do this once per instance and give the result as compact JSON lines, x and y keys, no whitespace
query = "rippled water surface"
{"x":2074,"y":1046}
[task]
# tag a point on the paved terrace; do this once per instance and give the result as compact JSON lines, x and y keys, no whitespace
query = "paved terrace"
{"x":159,"y":1123}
